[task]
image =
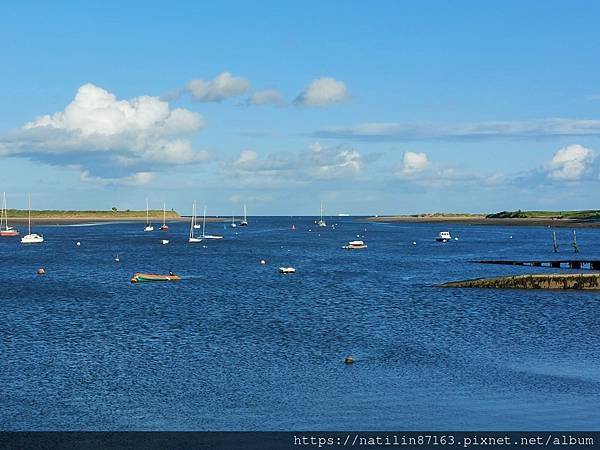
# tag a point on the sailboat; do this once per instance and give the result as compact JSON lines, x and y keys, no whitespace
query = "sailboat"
{"x":233,"y":224}
{"x":244,"y":222}
{"x":321,"y":222}
{"x":197,"y":226}
{"x":208,"y":236}
{"x":164,"y":226}
{"x":192,"y":238}
{"x":31,"y":238}
{"x":5,"y":230}
{"x":148,"y":226}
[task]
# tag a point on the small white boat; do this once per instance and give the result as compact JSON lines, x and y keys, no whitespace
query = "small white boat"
{"x":148,"y":226}
{"x":355,"y":245}
{"x":5,"y":230}
{"x":31,"y":238}
{"x":443,"y":236}
{"x":287,"y":270}
{"x":321,"y":222}
{"x":193,"y":239}
{"x":244,"y":222}
{"x":208,"y":236}
{"x":164,"y":241}
{"x":164,"y":226}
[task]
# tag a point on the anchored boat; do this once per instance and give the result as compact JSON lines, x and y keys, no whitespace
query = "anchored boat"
{"x":355,"y":245}
{"x":244,"y":222}
{"x":31,"y":238}
{"x":148,"y":226}
{"x":444,"y":236}
{"x":5,"y":230}
{"x":321,"y":223}
{"x":204,"y":235}
{"x":193,"y":239}
{"x":164,"y":226}
{"x":146,"y":277}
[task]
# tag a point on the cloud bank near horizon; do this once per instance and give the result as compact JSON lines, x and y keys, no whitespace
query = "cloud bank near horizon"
{"x":415,"y":131}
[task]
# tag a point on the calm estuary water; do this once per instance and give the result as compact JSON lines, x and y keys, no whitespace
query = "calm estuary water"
{"x":237,"y":346}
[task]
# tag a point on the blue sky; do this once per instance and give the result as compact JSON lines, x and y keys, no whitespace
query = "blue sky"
{"x":374,"y":107}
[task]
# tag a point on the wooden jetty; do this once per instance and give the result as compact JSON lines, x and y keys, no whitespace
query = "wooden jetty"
{"x":590,"y":264}
{"x":587,"y":281}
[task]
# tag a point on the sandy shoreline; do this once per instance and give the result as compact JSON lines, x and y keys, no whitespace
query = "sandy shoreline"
{"x":482,"y":220}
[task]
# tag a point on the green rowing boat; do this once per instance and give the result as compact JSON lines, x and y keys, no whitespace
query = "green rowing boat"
{"x":145,"y":277}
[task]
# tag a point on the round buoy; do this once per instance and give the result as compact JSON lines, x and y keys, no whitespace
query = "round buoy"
{"x":41,"y":271}
{"x":78,"y":243}
{"x":262,"y":262}
{"x":348,"y":360}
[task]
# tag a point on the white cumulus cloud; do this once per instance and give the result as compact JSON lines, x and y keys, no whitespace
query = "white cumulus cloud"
{"x":323,"y":91}
{"x":414,"y":162}
{"x":101,"y":134}
{"x":570,"y":163}
{"x":223,"y":86}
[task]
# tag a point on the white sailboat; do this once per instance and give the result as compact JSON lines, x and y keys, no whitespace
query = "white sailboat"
{"x":207,"y":236}
{"x":197,"y":226}
{"x":233,"y":224}
{"x":244,"y":222}
{"x":5,"y":230}
{"x":321,"y":222}
{"x":31,"y":238}
{"x":148,"y":226}
{"x":164,"y":226}
{"x":192,"y":239}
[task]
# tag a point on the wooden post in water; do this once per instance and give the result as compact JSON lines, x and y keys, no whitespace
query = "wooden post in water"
{"x":574,"y":244}
{"x":554,"y":243}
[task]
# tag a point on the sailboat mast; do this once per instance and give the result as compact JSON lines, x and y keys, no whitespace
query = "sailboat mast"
{"x":4,"y":211}
{"x":245,"y":212}
{"x":164,"y":213}
{"x":147,"y":212}
{"x":321,"y":209}
{"x":192,"y":219}
{"x":204,"y":221}
{"x":29,"y":213}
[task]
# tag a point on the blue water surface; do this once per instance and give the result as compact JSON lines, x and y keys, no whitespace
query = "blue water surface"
{"x":237,"y":346}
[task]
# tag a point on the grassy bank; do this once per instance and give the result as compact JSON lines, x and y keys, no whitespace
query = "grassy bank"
{"x":592,"y":214}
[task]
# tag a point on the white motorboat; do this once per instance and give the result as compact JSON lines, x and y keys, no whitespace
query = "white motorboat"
{"x":287,"y":270}
{"x":31,"y":238}
{"x":443,"y":236}
{"x":355,"y":245}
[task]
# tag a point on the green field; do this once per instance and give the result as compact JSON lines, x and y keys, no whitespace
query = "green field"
{"x":68,"y":214}
{"x":576,"y":215}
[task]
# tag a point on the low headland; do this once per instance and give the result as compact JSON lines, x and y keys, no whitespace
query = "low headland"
{"x":587,"y":281}
{"x":587,"y":218}
{"x":75,"y":216}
